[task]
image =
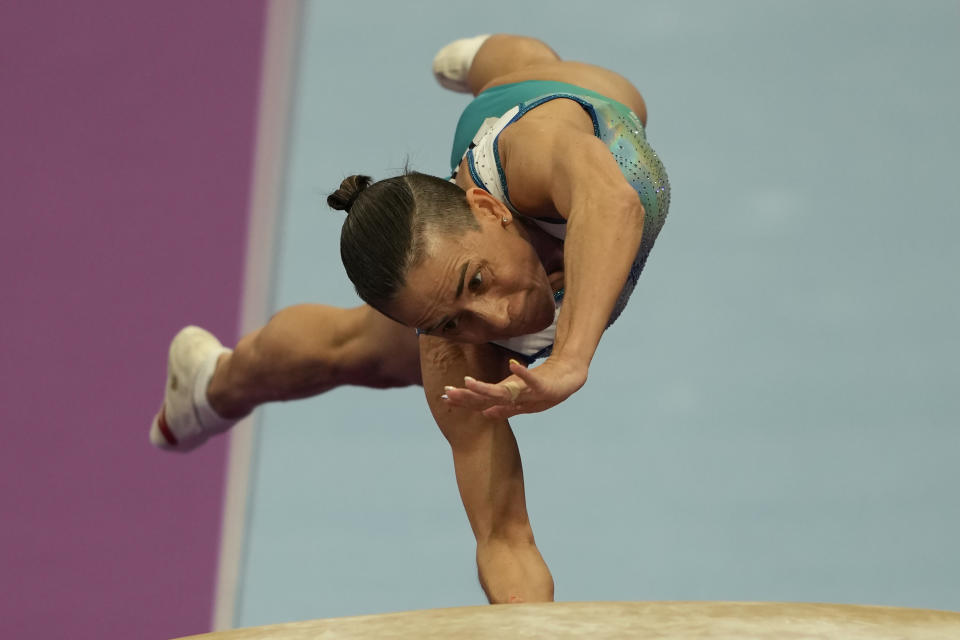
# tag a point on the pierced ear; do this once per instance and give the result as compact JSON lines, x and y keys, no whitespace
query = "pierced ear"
{"x":484,"y":204}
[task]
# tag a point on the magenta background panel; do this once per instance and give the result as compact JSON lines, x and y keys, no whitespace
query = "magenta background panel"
{"x":126,"y":142}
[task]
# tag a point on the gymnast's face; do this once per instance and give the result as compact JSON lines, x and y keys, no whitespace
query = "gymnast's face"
{"x":482,"y":285}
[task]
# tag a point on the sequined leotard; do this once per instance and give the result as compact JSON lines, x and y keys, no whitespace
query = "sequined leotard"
{"x":623,"y":133}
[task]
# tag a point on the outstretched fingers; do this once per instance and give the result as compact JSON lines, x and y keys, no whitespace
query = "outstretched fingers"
{"x":477,"y":395}
{"x":504,"y":399}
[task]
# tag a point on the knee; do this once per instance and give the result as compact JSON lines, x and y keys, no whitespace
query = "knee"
{"x":379,"y":358}
{"x":370,"y":366}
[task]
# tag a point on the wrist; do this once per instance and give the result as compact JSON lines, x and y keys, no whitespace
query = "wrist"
{"x":575,"y":367}
{"x":576,"y":359}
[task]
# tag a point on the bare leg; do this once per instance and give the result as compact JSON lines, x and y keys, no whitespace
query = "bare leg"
{"x":505,"y":59}
{"x":308,"y":349}
{"x":502,"y":54}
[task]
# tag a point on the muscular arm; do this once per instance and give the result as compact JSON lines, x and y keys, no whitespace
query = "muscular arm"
{"x":489,"y":475}
{"x":555,"y":165}
{"x":552,"y":160}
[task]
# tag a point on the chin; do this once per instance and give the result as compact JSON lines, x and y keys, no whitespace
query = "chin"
{"x":546,"y":314}
{"x":540,"y":311}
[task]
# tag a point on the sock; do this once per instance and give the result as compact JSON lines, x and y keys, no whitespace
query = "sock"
{"x":452,"y":62}
{"x":209,"y":419}
{"x":467,"y":50}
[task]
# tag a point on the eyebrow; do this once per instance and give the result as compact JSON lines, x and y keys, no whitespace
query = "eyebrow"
{"x":463,"y":275}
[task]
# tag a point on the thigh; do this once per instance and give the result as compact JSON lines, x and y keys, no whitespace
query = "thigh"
{"x":349,"y":346}
{"x":502,"y":54}
{"x":386,"y":353}
{"x":603,"y":81}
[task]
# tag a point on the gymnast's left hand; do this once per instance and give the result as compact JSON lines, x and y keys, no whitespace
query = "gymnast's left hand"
{"x":525,"y":391}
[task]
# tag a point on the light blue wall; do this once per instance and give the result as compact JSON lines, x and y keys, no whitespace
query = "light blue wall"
{"x":773,"y":418}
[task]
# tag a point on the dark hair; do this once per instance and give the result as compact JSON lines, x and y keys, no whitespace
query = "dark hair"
{"x":388,"y":222}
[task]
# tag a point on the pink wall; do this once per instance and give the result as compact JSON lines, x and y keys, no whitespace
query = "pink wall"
{"x":126,"y":135}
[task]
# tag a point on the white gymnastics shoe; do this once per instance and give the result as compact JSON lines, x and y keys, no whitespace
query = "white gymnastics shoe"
{"x":452,"y":63}
{"x":186,"y":420}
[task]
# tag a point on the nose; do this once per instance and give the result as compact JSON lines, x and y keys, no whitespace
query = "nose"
{"x":493,"y":313}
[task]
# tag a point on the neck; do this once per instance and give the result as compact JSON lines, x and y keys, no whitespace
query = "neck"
{"x":548,"y":248}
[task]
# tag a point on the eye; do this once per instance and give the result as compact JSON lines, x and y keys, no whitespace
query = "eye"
{"x":476,"y":281}
{"x":450,"y":325}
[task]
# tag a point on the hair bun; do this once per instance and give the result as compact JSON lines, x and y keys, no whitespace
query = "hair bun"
{"x":343,"y":198}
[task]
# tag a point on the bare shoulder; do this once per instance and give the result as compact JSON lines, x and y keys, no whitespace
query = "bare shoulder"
{"x":524,"y":148}
{"x":530,"y":147}
{"x":555,"y":118}
{"x":550,"y":153}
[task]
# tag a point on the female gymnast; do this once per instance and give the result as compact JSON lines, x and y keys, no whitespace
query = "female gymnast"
{"x":530,"y":250}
